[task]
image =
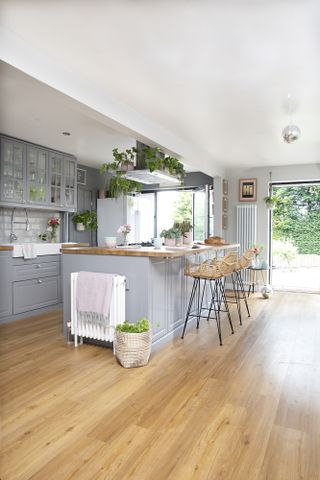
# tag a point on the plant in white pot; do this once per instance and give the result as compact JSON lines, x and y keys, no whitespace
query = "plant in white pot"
{"x":86,"y":220}
{"x":186,"y":230}
{"x":132,"y":343}
{"x":170,"y":236}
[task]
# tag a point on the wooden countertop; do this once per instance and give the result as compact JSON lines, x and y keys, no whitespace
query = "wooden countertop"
{"x":63,"y":245}
{"x":147,"y":251}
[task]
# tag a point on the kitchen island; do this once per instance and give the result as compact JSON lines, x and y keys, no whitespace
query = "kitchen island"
{"x":156,"y":286}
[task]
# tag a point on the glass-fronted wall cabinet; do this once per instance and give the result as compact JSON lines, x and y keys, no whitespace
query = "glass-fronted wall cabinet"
{"x":55,"y":179}
{"x":69,"y":182}
{"x":13,"y":175}
{"x":37,"y":175}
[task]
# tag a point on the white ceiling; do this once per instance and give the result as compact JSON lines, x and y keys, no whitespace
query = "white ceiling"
{"x":32,"y":111}
{"x":207,"y":80}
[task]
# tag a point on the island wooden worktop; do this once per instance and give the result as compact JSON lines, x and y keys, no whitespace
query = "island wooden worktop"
{"x":4,"y":248}
{"x":147,"y":251}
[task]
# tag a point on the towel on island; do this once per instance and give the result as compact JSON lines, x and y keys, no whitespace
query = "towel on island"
{"x":94,"y":293}
{"x":28,"y":250}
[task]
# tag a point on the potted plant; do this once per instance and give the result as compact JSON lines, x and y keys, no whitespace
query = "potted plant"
{"x":270,"y":202}
{"x":153,"y":158}
{"x":157,"y":160}
{"x":123,"y":161}
{"x":118,"y":185}
{"x":132,"y":343}
{"x":186,"y":230}
{"x":86,"y":220}
{"x":170,"y":236}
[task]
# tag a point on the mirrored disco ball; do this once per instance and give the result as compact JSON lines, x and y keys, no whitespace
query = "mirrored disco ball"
{"x":266,"y":291}
{"x":291,"y":133}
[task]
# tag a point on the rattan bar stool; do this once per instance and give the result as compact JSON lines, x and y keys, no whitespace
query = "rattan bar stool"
{"x":210,"y":273}
{"x":228,"y":265}
{"x":243,"y":263}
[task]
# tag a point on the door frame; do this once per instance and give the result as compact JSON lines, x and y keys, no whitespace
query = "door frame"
{"x":292,"y":183}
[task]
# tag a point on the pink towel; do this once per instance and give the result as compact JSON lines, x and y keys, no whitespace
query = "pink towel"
{"x":94,"y":292}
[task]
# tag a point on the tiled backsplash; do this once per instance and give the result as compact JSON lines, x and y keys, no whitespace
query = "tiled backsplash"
{"x":38,"y":220}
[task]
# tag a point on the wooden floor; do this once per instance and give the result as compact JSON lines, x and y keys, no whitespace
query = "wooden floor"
{"x":248,"y":410}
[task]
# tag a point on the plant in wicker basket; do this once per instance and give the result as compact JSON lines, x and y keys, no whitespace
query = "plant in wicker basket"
{"x":133,"y":343}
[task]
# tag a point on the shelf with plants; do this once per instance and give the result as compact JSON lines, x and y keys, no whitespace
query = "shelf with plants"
{"x":152,"y":157}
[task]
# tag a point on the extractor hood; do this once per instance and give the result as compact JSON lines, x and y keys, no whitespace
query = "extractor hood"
{"x":149,"y":178}
{"x":143,"y":175}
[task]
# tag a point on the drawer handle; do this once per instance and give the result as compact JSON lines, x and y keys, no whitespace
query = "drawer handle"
{"x":38,"y":265}
{"x":39,"y":281}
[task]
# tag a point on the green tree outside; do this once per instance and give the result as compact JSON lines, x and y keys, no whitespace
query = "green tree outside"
{"x":296,"y":217}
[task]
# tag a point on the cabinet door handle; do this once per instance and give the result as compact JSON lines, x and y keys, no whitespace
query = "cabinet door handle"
{"x":39,"y":281}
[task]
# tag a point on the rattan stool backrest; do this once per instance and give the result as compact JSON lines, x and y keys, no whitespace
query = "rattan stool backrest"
{"x":227,"y":264}
{"x":245,"y":259}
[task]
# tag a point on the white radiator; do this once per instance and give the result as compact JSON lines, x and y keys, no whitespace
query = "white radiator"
{"x":96,"y":331}
{"x":246,"y":230}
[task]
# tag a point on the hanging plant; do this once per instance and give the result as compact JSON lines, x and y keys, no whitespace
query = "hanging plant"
{"x":270,"y":202}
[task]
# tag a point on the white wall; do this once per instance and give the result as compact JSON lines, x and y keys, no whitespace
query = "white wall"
{"x":38,"y":224}
{"x":286,"y":173}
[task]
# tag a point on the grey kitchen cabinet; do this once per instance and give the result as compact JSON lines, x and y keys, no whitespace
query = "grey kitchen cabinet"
{"x":13,"y":171}
{"x":47,"y":268}
{"x":55,"y":179}
{"x":35,"y":293}
{"x":37,"y":177}
{"x":69,"y":182}
{"x":28,"y":286}
{"x":5,"y":284}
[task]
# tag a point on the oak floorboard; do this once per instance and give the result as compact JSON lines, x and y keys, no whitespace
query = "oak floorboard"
{"x":248,"y":410}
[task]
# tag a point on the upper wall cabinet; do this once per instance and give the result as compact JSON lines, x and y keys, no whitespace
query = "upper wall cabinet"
{"x":13,"y":171}
{"x":36,"y":177}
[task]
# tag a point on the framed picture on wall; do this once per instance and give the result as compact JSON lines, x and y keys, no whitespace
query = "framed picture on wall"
{"x":248,"y":189}
{"x":225,"y":186}
{"x":81,"y":176}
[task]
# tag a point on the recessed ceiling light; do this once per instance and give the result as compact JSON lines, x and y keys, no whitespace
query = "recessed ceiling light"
{"x":67,"y":134}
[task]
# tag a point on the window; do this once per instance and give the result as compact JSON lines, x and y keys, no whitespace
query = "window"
{"x":158,"y":211}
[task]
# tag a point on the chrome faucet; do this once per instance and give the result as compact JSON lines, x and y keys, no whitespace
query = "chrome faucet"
{"x":13,"y":236}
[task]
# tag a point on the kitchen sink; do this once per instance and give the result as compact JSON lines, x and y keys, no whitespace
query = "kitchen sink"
{"x":39,"y":249}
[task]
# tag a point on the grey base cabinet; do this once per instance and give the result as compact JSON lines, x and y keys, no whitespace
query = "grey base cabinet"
{"x":33,"y":294}
{"x":5,"y":284}
{"x":28,"y":287}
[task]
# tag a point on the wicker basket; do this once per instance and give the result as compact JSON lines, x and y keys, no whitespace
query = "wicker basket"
{"x":132,"y":349}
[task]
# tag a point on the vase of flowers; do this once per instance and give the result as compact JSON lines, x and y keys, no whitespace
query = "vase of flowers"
{"x":125,"y":230}
{"x":257,"y":249}
{"x":53,"y":224}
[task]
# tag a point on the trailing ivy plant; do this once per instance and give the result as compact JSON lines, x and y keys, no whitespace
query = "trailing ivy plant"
{"x":119,"y":185}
